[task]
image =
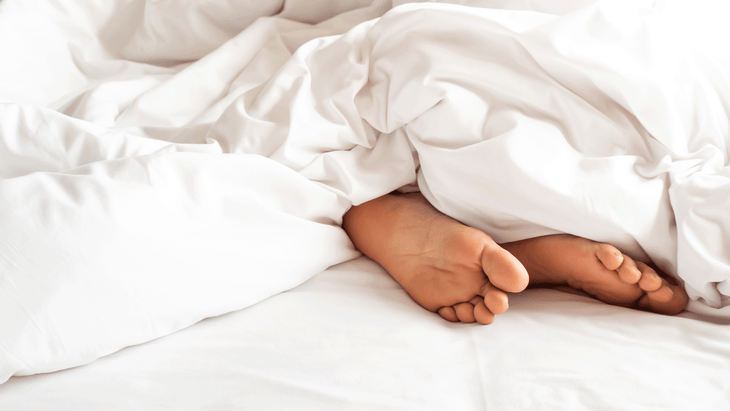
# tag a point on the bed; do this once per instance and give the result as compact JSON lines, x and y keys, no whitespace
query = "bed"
{"x":173,"y":176}
{"x":351,"y":338}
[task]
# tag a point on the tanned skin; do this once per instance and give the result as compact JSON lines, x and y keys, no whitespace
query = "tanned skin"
{"x":460,"y":273}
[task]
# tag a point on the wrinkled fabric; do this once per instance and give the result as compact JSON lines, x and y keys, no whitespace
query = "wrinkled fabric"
{"x":161,"y":165}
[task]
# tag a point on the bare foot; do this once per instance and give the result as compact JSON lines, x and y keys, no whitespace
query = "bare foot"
{"x":462,"y":274}
{"x":445,"y":266}
{"x":599,"y":270}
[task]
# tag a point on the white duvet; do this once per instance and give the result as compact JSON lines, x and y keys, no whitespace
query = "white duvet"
{"x":167,"y":161}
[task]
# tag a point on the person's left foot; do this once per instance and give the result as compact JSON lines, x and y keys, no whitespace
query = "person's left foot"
{"x":600,"y":270}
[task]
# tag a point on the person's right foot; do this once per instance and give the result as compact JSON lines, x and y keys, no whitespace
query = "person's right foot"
{"x":445,"y":266}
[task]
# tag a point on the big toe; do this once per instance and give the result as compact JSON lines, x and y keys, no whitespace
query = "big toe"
{"x":610,"y":256}
{"x":503,"y":269}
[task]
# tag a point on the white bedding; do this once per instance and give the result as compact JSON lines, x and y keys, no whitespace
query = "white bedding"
{"x":351,"y":338}
{"x":165,"y":162}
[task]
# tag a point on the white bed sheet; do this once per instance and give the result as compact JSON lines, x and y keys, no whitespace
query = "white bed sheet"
{"x":351,"y":338}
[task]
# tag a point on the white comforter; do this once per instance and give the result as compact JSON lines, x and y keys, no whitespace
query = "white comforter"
{"x":163,"y":162}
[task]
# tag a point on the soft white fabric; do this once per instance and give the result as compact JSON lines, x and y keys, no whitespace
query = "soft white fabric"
{"x":620,"y":133}
{"x":137,"y":198}
{"x":351,"y":338}
{"x":175,"y":30}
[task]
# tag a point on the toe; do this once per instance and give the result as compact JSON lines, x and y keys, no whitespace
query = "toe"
{"x":503,"y":269}
{"x":448,"y":314}
{"x":662,"y":295}
{"x":628,"y":272}
{"x":675,"y":305}
{"x":482,"y":313}
{"x":650,"y":280}
{"x":609,"y":255}
{"x":465,"y":312}
{"x":495,"y":299}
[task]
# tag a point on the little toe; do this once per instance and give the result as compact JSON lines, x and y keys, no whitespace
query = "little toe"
{"x":482,"y":313}
{"x":465,"y":312}
{"x":448,"y":314}
{"x":495,"y":300}
{"x":675,"y":305}
{"x":650,"y":280}
{"x":628,"y":272}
